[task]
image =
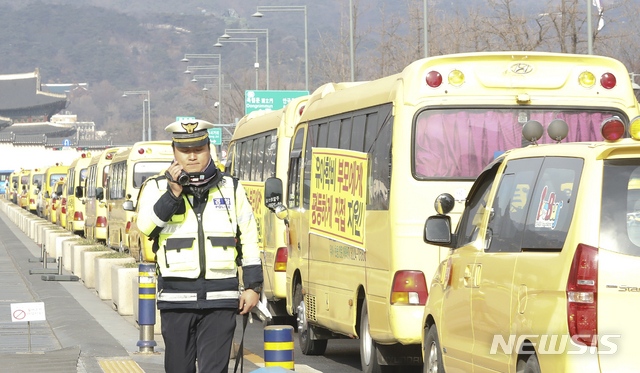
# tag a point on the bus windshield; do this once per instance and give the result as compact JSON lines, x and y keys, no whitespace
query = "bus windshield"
{"x":459,"y":143}
{"x":55,"y":178}
{"x":144,"y":170}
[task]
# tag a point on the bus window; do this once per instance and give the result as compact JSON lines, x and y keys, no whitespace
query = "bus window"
{"x":294,"y":169}
{"x":256,"y":159}
{"x":229,"y":160}
{"x":237,"y":162}
{"x":270,"y":153}
{"x":345,"y":134}
{"x":381,"y":168}
{"x":334,"y":134}
{"x":144,"y":170}
{"x":357,"y":133}
{"x":246,"y":159}
{"x":322,"y":135}
{"x":371,"y":132}
{"x":311,"y":141}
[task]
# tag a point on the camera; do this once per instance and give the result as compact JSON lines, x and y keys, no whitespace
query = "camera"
{"x":183,"y":179}
{"x":186,"y":178}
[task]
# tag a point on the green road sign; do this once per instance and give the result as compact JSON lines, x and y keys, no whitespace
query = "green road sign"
{"x":269,"y":100}
{"x":215,"y":135}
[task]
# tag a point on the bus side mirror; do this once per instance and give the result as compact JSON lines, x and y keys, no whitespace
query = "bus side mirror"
{"x":79,"y":192}
{"x":272,"y":193}
{"x":437,"y":231}
{"x":99,"y":193}
{"x":46,"y":194}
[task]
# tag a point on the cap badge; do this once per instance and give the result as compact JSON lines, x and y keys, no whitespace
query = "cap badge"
{"x":189,"y":127}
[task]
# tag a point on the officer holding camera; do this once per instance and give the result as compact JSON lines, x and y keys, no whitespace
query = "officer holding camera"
{"x":196,"y":224}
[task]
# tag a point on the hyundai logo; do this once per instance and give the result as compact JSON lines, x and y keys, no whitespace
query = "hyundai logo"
{"x":521,"y":68}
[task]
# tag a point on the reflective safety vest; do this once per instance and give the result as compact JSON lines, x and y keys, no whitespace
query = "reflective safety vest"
{"x":191,"y":242}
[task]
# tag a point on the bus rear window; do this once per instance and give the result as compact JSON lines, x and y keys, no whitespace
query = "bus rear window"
{"x":459,"y":143}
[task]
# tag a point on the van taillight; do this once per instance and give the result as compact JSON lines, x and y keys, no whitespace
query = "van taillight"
{"x":126,"y":230}
{"x":77,"y":216}
{"x":32,"y":201}
{"x":101,"y":222}
{"x":409,"y":287}
{"x":281,"y":260}
{"x":582,"y":296}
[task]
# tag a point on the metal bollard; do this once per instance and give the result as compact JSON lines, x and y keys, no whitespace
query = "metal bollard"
{"x":146,"y":306}
{"x":278,"y":346}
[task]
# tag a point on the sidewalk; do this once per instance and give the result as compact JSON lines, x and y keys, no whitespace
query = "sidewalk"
{"x":81,"y":334}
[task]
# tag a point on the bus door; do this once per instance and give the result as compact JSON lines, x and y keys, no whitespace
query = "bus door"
{"x":298,"y":245}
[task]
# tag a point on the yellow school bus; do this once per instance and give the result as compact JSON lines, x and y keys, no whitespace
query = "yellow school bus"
{"x":128,"y":171}
{"x":23,"y":188}
{"x":259,"y":149}
{"x":13,"y":187}
{"x":33,"y":189}
{"x":95,"y":224}
{"x":52,"y":175}
{"x":76,"y":176}
{"x":368,"y":160}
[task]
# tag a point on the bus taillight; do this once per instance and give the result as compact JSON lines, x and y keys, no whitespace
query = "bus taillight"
{"x":612,"y":129}
{"x":77,"y":216}
{"x":126,"y":230}
{"x":409,"y":287}
{"x":434,"y":79}
{"x":608,"y":80}
{"x":281,"y":260}
{"x":101,"y":222}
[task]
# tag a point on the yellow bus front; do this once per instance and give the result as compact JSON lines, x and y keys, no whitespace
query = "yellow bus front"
{"x":76,"y":179}
{"x":127,"y":172}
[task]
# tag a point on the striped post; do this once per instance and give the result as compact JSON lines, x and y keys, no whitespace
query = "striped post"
{"x":146,"y":306}
{"x":278,"y":346}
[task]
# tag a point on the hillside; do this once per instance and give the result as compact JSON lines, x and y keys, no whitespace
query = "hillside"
{"x":118,"y":45}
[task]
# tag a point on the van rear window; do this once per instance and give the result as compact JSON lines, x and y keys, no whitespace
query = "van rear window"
{"x":620,"y":216}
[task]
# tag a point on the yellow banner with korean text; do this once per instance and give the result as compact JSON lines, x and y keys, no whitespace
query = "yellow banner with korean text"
{"x":255,"y":194}
{"x":338,"y":194}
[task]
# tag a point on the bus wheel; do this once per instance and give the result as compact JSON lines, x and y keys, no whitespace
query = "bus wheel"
{"x":368,"y":349}
{"x":432,"y":356}
{"x":307,"y":345}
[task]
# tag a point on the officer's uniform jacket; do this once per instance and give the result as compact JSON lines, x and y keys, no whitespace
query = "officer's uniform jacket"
{"x":196,"y":242}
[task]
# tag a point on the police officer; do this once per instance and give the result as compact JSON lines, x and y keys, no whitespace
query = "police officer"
{"x":195,"y":224}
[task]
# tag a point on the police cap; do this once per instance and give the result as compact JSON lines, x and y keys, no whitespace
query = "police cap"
{"x":189,"y":132}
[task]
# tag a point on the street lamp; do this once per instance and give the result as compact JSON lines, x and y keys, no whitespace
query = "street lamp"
{"x":249,"y":31}
{"x":205,"y":56}
{"x":147,"y":102}
{"x":243,"y":40}
{"x":292,"y":8}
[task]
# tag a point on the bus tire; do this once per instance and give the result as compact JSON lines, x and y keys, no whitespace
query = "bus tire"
{"x":432,"y":354}
{"x":368,"y":348}
{"x":307,"y":345}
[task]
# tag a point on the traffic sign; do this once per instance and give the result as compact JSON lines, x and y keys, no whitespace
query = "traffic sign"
{"x":33,"y":311}
{"x":66,"y":143}
{"x":215,"y":136}
{"x":269,"y":100}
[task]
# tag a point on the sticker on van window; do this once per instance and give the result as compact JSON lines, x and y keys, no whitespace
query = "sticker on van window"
{"x":548,"y":210}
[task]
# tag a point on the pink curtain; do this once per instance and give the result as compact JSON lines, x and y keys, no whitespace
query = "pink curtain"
{"x":462,"y":143}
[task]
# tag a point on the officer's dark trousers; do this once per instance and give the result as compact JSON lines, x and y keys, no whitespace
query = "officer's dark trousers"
{"x":205,"y":335}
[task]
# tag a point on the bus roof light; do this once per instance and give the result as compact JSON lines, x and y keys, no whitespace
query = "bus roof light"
{"x":434,"y":79}
{"x":634,"y":128}
{"x":301,"y":110}
{"x":587,"y":79}
{"x":608,"y":80}
{"x":456,"y":78}
{"x":612,"y":129}
{"x":141,"y":151}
